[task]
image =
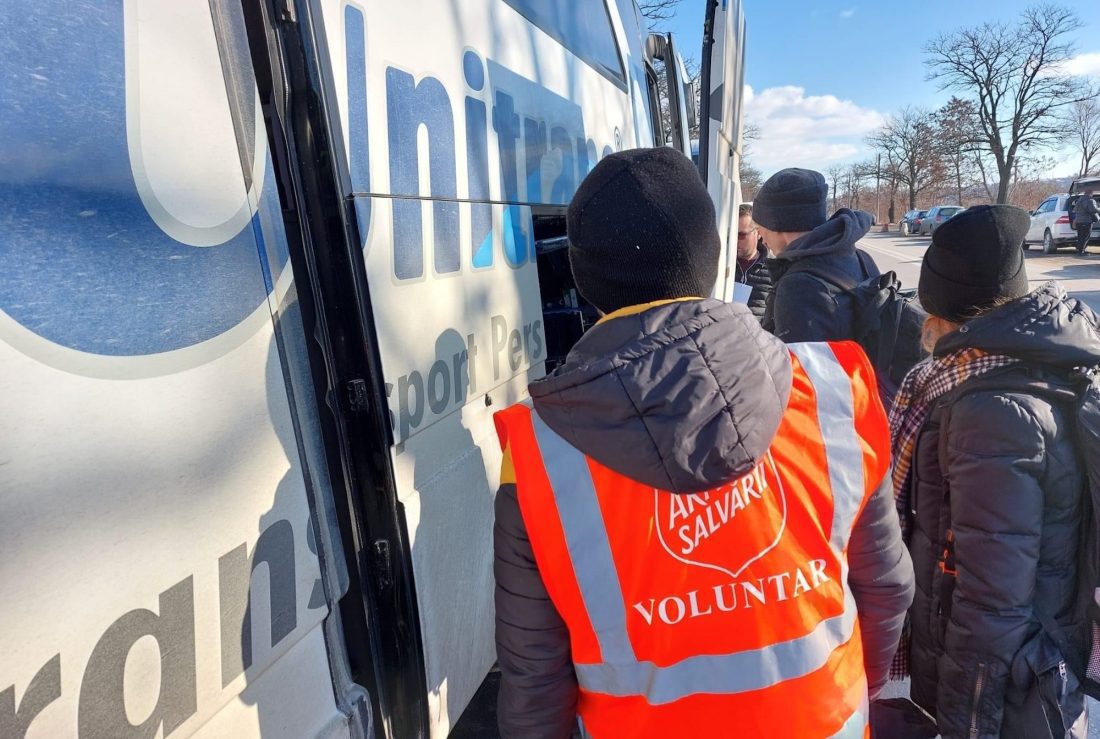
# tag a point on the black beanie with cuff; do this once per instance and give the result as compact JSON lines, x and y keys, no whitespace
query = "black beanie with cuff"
{"x":975,"y":260}
{"x":642,"y":228}
{"x":792,"y":201}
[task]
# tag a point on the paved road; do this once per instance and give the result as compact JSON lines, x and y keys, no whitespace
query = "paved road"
{"x":1079,"y":274}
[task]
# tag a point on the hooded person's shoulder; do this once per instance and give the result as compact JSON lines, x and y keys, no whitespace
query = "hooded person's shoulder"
{"x":683,"y":397}
{"x":838,"y":235}
{"x":1045,"y":328}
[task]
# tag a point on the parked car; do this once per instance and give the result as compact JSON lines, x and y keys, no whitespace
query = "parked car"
{"x":910,"y":222}
{"x":937,"y":217}
{"x":1052,"y":221}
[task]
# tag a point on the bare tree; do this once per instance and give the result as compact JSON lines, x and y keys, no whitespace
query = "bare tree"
{"x":908,"y":142}
{"x":1015,"y":73}
{"x":1084,"y":123}
{"x":751,"y":177}
{"x":658,"y":11}
{"x":958,"y":138}
{"x":867,"y":178}
{"x":751,"y":180}
{"x":893,"y":183}
{"x":853,"y":183}
{"x":835,"y":174}
{"x":750,"y":134}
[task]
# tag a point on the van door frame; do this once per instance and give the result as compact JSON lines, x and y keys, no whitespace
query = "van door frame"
{"x":704,"y":84}
{"x":659,"y":47}
{"x":293,"y":73}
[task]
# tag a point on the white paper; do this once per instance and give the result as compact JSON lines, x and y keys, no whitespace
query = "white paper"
{"x":741,"y":293}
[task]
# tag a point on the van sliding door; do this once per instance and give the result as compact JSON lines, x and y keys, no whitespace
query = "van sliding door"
{"x":720,"y":121}
{"x":294,"y":75}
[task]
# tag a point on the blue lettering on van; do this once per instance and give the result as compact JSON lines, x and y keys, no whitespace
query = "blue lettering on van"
{"x":359,"y":160}
{"x":85,"y":265}
{"x":477,"y":162}
{"x":413,"y":104}
{"x":542,"y":149}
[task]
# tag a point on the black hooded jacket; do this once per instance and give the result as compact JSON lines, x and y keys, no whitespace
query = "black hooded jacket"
{"x":995,"y":508}
{"x":803,"y":307}
{"x":683,"y":396}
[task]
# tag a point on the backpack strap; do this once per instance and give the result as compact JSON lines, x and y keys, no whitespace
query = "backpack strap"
{"x":831,"y":276}
{"x":890,"y":338}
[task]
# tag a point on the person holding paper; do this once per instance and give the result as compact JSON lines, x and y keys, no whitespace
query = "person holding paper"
{"x":753,"y":279}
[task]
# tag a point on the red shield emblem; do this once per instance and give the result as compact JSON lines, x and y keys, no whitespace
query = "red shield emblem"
{"x":728,"y":528}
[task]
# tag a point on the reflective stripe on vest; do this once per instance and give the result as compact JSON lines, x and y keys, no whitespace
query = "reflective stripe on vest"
{"x":620,"y":673}
{"x":842,"y":448}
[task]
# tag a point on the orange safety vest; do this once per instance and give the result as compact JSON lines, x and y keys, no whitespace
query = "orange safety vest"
{"x":725,"y":613}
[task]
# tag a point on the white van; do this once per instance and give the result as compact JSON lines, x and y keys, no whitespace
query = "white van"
{"x":269,"y":267}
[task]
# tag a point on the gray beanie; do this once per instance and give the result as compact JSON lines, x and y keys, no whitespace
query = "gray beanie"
{"x":792,"y":201}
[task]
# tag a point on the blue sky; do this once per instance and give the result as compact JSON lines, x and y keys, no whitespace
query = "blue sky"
{"x":824,"y":72}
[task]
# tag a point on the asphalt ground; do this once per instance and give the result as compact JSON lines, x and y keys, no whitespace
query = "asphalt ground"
{"x":1079,"y":274}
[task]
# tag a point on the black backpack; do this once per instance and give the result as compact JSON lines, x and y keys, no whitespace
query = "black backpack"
{"x":888,"y":319}
{"x":1082,"y":649}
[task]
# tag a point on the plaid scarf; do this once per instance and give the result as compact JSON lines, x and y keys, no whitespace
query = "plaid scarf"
{"x":922,"y":387}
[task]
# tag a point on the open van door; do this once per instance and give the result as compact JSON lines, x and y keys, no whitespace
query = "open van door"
{"x":1084,"y":183}
{"x":674,"y":100}
{"x":721,"y":113}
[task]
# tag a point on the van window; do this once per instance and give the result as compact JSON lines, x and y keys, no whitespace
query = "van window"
{"x":582,"y":26}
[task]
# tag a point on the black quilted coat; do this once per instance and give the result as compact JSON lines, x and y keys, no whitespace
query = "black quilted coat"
{"x":759,"y":277}
{"x":995,"y":508}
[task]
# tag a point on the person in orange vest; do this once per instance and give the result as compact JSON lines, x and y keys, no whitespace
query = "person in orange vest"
{"x":695,"y":530}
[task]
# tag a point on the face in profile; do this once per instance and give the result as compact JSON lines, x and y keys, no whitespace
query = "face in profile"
{"x":746,"y":237}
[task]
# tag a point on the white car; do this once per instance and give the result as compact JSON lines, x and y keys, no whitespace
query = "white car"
{"x":1051,"y":226}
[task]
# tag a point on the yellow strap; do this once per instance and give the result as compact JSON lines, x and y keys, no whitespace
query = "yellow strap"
{"x":507,"y":469}
{"x":633,"y":310}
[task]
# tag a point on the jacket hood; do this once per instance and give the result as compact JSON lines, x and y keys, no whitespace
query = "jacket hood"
{"x":838,"y":235}
{"x":1045,"y":327}
{"x":683,"y":397}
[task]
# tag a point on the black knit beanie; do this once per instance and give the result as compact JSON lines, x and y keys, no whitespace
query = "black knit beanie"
{"x":642,"y":228}
{"x":791,"y":201}
{"x":975,"y":259}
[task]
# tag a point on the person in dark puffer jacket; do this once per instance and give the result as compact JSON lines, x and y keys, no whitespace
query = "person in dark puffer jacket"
{"x":789,"y":211}
{"x":989,"y":485}
{"x":752,"y":263}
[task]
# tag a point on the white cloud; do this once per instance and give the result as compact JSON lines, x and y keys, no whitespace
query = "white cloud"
{"x":846,"y":14}
{"x":1087,"y":64}
{"x":1084,"y":64}
{"x":800,"y":130}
